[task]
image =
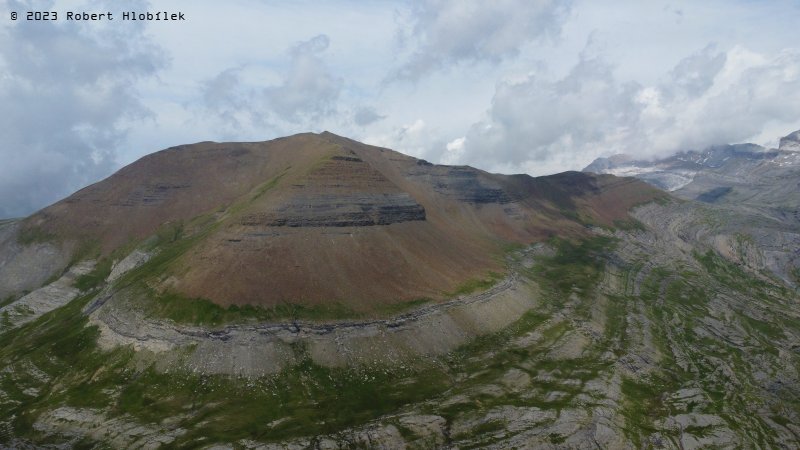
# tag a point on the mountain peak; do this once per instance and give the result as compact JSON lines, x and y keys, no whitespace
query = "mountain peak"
{"x":321,"y":218}
{"x":791,"y":142}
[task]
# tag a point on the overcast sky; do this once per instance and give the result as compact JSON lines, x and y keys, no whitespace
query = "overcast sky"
{"x":509,"y":86}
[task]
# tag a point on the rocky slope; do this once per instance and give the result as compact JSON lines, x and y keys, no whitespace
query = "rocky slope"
{"x":756,"y":192}
{"x":615,"y":316}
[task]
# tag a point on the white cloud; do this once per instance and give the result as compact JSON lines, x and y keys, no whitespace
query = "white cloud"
{"x":417,"y":139}
{"x":445,"y":32}
{"x":540,"y":124}
{"x":455,"y":151}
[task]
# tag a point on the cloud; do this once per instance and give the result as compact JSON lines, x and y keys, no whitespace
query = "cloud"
{"x":65,"y":95}
{"x":418,"y":139}
{"x":366,"y":115}
{"x":539,"y":124}
{"x":223,"y":95}
{"x":241,"y":98}
{"x":447,"y":32}
{"x":695,"y":74}
{"x":308,"y":90}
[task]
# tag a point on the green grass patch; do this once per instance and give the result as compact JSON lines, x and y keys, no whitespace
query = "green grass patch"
{"x":629,"y":224}
{"x":96,"y":277}
{"x":476,"y":285}
{"x":487,"y":427}
{"x":768,"y":330}
{"x":305,"y":399}
{"x":394,"y":309}
{"x":615,"y":334}
{"x":795,"y":274}
{"x":312,"y":399}
{"x":698,"y":430}
{"x":576,"y":267}
{"x":265,"y":187}
{"x":643,"y":403}
{"x":9,"y":300}
{"x":182,"y":309}
{"x":62,"y":349}
{"x":780,"y":420}
{"x":34,"y":235}
{"x":731,"y":275}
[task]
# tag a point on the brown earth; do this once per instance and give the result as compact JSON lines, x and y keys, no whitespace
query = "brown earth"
{"x":317,"y":218}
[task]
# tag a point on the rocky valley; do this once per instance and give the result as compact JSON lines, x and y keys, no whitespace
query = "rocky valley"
{"x":316,"y":292}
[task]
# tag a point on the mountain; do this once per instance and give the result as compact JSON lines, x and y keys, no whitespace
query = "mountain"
{"x":316,"y":292}
{"x":321,"y":219}
{"x":726,"y":174}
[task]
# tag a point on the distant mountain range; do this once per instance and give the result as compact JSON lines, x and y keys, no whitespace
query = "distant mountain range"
{"x":749,"y":175}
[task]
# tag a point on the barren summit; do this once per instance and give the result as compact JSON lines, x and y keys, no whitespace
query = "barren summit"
{"x":321,"y":220}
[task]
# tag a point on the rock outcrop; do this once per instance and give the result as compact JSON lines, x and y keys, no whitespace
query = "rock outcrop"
{"x":790,"y":143}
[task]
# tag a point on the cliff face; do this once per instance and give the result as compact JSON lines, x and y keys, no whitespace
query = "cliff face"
{"x":343,"y":191}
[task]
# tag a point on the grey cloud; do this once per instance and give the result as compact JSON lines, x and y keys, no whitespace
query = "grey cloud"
{"x":449,"y":32}
{"x":693,"y":75}
{"x":64,"y":96}
{"x":366,"y":115}
{"x":308,"y":90}
{"x":225,"y":97}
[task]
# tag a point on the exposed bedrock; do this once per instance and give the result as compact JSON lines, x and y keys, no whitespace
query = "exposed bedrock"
{"x":258,"y":349}
{"x":326,"y":210}
{"x":462,"y":183}
{"x":26,"y":266}
{"x":45,"y":299}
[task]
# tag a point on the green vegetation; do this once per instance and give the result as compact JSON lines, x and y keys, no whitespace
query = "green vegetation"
{"x":96,"y":277}
{"x":729,"y":274}
{"x":9,"y":300}
{"x":644,"y":402}
{"x":54,"y":361}
{"x":576,"y":267}
{"x":629,"y":224}
{"x":311,"y":399}
{"x":265,"y":187}
{"x":201,"y":311}
{"x":393,"y":309}
{"x":488,"y":427}
{"x":34,"y":235}
{"x":476,"y":285}
{"x":303,"y":399}
{"x":72,"y":371}
{"x":795,"y":273}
